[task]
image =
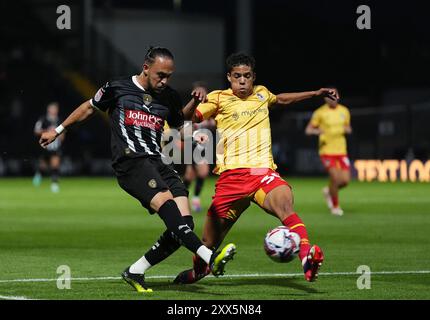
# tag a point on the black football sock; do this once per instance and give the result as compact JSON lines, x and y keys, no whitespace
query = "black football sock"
{"x":167,"y":244}
{"x":170,"y":214}
{"x":54,"y":175}
{"x":198,"y":187}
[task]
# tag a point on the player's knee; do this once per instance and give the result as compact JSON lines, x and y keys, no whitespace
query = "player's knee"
{"x":189,"y":174}
{"x":343,"y":182}
{"x":160,"y":199}
{"x":203,"y":172}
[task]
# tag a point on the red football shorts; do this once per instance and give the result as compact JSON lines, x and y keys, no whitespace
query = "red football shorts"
{"x":335,"y":161}
{"x":236,"y":188}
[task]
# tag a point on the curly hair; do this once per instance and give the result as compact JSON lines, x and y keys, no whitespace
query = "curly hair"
{"x":239,"y":59}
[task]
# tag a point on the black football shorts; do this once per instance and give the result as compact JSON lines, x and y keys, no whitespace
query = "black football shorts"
{"x":144,"y":177}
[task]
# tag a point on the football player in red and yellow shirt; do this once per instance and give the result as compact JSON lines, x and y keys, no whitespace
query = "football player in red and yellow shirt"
{"x":245,"y":162}
{"x":331,"y":122}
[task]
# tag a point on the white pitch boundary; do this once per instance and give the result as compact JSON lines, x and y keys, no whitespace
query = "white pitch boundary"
{"x":249,"y":275}
{"x":14,"y":298}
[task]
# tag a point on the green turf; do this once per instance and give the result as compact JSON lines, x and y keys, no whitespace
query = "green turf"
{"x":97,"y":230}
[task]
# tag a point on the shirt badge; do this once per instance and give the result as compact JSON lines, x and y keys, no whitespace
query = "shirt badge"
{"x":147,"y":99}
{"x":152,"y":184}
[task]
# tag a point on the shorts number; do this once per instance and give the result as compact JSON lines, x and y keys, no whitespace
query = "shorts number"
{"x":269,"y":178}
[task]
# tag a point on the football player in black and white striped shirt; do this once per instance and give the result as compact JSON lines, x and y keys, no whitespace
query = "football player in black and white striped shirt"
{"x":137,"y":107}
{"x":50,"y":158}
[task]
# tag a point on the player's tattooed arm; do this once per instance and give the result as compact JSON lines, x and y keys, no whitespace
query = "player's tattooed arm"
{"x":81,"y":113}
{"x":288,"y":98}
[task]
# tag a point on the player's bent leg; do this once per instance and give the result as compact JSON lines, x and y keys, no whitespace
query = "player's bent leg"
{"x":344,"y":178}
{"x":169,"y":213}
{"x":202,"y":170}
{"x":165,"y":246}
{"x":153,"y":185}
{"x":279,"y":201}
{"x":189,"y":175}
{"x":327,"y":197}
{"x":168,"y":242}
{"x":341,"y":178}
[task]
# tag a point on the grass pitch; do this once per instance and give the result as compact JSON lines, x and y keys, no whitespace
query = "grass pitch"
{"x":97,"y":230}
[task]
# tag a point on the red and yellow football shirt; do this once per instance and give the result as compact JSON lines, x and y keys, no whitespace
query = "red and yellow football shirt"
{"x":332,"y":122}
{"x":244,"y":128}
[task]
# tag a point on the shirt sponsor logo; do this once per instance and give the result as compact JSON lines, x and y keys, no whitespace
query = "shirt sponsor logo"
{"x":251,"y":113}
{"x":143,"y":119}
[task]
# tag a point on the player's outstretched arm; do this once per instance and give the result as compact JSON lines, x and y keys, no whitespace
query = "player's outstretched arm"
{"x":81,"y":113}
{"x":288,"y":98}
{"x":199,"y":95}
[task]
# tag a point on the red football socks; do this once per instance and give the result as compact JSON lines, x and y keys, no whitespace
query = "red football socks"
{"x":335,"y":200}
{"x":295,"y":224}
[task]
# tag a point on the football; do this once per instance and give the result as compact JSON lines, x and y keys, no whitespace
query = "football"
{"x":281,"y":245}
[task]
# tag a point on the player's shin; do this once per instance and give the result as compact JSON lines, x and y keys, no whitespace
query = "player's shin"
{"x":294,"y":223}
{"x":170,"y":214}
{"x":54,"y":175}
{"x":198,"y":186}
{"x":166,"y":245}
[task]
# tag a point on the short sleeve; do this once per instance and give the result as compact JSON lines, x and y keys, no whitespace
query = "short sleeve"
{"x":175,"y":119}
{"x":208,"y":109}
{"x":316,"y":119}
{"x":347,"y":117}
{"x":272,"y":98}
{"x":104,"y":98}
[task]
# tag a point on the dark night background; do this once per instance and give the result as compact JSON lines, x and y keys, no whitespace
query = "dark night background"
{"x":382,"y":74}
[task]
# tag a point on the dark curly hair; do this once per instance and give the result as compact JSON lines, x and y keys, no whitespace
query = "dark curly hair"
{"x":239,"y":59}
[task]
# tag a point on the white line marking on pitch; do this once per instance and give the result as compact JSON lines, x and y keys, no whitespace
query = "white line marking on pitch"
{"x":13,"y":298}
{"x":251,"y":275}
